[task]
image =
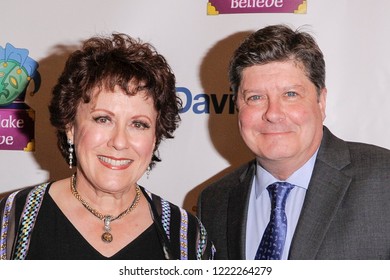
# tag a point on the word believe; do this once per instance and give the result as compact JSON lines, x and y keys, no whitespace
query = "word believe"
{"x":201,"y":103}
{"x":240,"y":4}
{"x":216,"y":7}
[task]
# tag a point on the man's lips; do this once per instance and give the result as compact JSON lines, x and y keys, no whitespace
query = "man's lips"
{"x":275,"y":132}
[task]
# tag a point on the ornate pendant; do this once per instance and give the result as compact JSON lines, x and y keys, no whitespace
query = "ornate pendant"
{"x":107,"y":236}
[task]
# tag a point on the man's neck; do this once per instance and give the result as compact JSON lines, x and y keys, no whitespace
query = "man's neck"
{"x":283,"y":168}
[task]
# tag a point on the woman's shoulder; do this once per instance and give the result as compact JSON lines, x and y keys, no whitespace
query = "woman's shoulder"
{"x":163,"y":204}
{"x":17,"y":198}
{"x":179,"y":223}
{"x":16,"y":195}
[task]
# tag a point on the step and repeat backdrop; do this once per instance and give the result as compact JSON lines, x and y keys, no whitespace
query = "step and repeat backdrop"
{"x":197,"y":37}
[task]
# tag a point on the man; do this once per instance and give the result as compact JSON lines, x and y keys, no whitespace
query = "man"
{"x":336,"y":194}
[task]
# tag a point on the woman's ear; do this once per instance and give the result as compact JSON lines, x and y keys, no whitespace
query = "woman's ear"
{"x":70,"y":133}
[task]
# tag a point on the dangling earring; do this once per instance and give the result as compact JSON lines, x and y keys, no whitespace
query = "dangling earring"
{"x":70,"y":150}
{"x":148,"y":172}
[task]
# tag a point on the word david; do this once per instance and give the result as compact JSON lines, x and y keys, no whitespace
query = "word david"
{"x":202,"y":103}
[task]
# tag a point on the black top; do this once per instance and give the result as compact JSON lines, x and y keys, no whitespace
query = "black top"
{"x":63,"y":241}
{"x":33,"y":227}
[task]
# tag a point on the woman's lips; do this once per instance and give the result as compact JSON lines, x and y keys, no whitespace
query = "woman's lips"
{"x":115,"y":163}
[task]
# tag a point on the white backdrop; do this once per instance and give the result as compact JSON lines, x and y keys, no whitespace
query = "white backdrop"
{"x":353,"y":34}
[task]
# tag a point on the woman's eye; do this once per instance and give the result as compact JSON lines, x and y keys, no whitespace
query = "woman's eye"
{"x":141,"y":125}
{"x":102,"y":120}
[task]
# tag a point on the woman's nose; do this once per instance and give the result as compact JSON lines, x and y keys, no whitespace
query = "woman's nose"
{"x":119,"y":138}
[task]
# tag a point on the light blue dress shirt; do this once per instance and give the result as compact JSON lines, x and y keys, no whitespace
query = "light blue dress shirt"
{"x":259,"y":207}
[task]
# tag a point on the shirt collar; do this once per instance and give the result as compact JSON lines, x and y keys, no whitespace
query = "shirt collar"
{"x":299,"y":178}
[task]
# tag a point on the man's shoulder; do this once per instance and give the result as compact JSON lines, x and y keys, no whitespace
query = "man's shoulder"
{"x":232,"y":178}
{"x":330,"y":140}
{"x":369,"y":154}
{"x":366,"y":148}
{"x":338,"y":152}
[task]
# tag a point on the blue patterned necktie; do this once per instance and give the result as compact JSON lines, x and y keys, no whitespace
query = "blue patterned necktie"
{"x":272,"y":243}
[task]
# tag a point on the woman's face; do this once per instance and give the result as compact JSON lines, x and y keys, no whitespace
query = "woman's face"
{"x":114,"y":139}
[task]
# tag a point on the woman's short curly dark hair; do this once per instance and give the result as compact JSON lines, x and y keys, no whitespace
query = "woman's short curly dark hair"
{"x":106,"y":62}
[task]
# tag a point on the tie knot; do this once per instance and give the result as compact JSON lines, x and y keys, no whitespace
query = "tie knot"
{"x":278,"y":193}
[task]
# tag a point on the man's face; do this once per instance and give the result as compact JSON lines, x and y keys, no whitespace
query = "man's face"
{"x":280,"y":114}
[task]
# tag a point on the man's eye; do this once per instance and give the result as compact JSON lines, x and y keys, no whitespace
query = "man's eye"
{"x":291,"y":94}
{"x":254,"y":99}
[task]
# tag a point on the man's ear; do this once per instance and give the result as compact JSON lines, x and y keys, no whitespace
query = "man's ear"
{"x":322,"y":102}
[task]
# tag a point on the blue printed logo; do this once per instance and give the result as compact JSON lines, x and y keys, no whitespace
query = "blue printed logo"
{"x":202,"y":103}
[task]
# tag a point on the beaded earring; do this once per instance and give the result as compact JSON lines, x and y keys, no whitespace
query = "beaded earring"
{"x":148,"y":172}
{"x":70,"y":150}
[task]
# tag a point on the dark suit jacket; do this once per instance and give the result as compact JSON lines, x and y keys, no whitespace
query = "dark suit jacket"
{"x":345,"y":215}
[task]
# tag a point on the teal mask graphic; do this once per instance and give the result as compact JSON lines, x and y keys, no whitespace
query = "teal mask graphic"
{"x":17,"y":69}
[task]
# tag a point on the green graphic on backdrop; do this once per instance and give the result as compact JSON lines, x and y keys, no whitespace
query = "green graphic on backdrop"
{"x":17,"y":69}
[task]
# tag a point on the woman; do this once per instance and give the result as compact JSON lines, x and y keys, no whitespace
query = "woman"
{"x":113,"y":104}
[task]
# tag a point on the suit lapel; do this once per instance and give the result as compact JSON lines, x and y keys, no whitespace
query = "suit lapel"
{"x":237,"y":214}
{"x":327,"y":188}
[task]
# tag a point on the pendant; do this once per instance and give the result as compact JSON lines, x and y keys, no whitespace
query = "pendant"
{"x":107,"y":236}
